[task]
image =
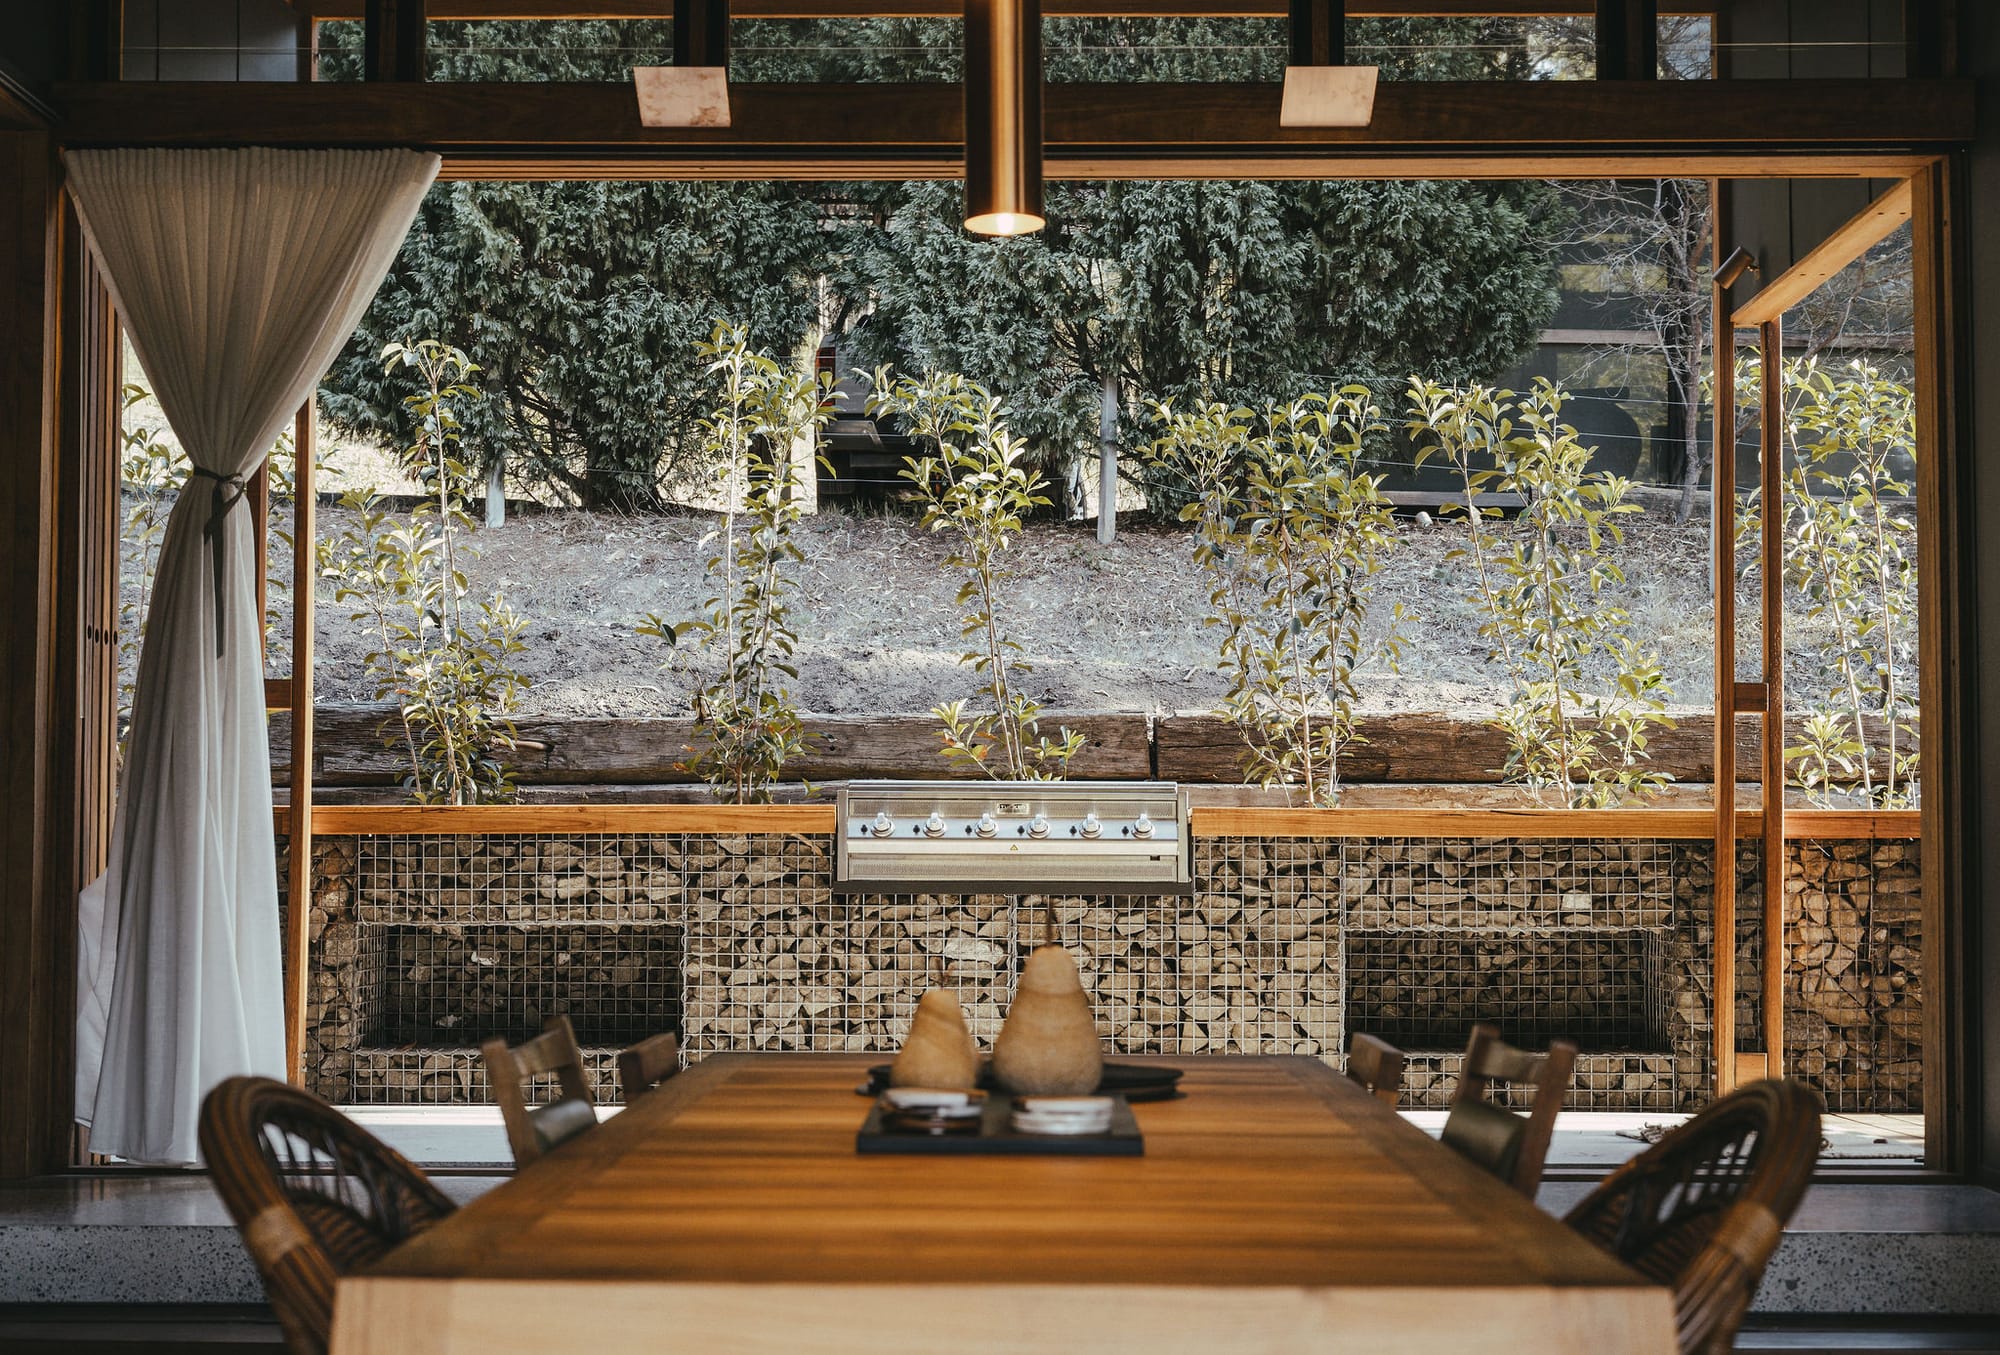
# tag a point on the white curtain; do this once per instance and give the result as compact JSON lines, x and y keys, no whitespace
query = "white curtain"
{"x":239,"y":274}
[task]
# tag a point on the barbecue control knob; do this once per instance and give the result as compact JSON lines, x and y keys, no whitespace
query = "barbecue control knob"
{"x":883,"y":825}
{"x":1142,"y":826}
{"x":934,"y":825}
{"x":1038,"y":826}
{"x":1091,"y":827}
{"x":988,"y":825}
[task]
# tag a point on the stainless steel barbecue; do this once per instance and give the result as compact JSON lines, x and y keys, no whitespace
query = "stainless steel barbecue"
{"x":1012,"y":837}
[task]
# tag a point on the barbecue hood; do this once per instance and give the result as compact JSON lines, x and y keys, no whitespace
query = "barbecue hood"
{"x":1012,"y":837}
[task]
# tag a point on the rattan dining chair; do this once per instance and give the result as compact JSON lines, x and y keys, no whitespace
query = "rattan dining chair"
{"x":313,"y":1194}
{"x":1377,"y":1065}
{"x":1702,"y":1210}
{"x":533,"y":1130}
{"x":647,"y":1064}
{"x":1513,"y":1147}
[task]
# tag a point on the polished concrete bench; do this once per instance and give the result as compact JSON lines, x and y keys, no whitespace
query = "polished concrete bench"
{"x":146,"y":1238}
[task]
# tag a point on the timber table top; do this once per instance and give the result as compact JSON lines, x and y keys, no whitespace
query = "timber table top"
{"x":1278,"y":1207}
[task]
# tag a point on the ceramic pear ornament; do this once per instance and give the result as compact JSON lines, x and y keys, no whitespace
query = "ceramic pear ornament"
{"x":1048,"y":1045}
{"x":939,"y":1051}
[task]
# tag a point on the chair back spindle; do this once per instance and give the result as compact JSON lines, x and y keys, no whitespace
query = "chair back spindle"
{"x":1702,"y":1210}
{"x":314,"y":1195}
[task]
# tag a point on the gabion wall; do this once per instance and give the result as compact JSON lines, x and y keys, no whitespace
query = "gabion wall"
{"x":424,"y":946}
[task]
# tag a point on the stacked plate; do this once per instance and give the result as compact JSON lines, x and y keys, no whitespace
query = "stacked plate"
{"x":927,"y":1111}
{"x":1062,"y":1114}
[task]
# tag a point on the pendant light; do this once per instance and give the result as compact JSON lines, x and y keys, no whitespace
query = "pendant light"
{"x":694,"y":91}
{"x":1003,"y":117}
{"x":1321,"y":90}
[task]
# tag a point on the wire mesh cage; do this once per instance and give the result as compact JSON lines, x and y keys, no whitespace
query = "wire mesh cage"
{"x":423,"y":946}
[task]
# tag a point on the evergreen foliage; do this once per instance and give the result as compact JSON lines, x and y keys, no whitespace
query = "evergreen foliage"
{"x":582,"y":303}
{"x":1192,"y":292}
{"x":578,"y":301}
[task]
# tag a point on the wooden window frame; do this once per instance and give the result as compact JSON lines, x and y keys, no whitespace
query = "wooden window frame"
{"x":1797,"y":129}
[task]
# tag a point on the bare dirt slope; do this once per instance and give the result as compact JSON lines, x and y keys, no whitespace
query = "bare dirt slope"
{"x":1107,"y":628}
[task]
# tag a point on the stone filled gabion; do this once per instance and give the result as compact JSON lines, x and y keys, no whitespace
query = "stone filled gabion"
{"x":426,"y":946}
{"x":423,"y":946}
{"x":1854,"y":973}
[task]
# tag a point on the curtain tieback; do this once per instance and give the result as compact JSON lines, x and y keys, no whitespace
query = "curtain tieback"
{"x":228,"y":493}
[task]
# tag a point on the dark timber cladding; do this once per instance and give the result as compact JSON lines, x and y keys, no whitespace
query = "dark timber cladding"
{"x":37,"y":966}
{"x":1433,"y":130}
{"x":951,"y":9}
{"x":393,"y":48}
{"x":1628,"y":40}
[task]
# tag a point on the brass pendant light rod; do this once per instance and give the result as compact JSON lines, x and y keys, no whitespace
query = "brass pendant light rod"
{"x":1003,"y":117}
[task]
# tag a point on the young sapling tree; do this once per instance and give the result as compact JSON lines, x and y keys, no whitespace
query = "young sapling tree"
{"x":448,"y":667}
{"x":748,"y":724}
{"x":1290,"y":535}
{"x":974,"y":484}
{"x":1542,"y":585}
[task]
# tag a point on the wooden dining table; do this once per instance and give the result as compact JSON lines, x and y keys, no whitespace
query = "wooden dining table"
{"x":1277,"y":1208}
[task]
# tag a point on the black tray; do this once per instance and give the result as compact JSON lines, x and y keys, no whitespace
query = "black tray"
{"x":996,"y":1138}
{"x":1136,"y":1082}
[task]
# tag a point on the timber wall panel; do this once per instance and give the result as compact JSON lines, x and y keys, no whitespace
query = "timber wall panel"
{"x":83,"y":644}
{"x":36,"y":962}
{"x":93,"y":409}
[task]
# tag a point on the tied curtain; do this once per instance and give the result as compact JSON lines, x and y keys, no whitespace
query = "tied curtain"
{"x":238,"y":274}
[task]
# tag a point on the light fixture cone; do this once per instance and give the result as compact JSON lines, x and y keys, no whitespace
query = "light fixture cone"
{"x":1003,"y":117}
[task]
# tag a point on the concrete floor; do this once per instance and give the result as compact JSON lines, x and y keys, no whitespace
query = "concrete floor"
{"x":472,"y":1136}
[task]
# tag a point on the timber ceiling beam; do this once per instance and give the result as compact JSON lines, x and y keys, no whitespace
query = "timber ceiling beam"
{"x":952,"y":9}
{"x":1879,"y":128}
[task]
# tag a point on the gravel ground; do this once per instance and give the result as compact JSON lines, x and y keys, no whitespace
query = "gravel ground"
{"x":1109,"y":628}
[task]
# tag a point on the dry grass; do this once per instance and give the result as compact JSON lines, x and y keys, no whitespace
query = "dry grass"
{"x":1115,"y":628}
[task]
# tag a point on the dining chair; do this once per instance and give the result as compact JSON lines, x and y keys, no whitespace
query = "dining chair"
{"x":1512,"y":1147}
{"x":1377,"y":1065}
{"x":1702,"y":1210}
{"x":533,"y":1130}
{"x":314,"y":1195}
{"x":647,"y":1064}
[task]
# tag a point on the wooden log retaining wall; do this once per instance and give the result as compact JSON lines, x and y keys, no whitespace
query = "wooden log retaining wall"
{"x":349,"y":752}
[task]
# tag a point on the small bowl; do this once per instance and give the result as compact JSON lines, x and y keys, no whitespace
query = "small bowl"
{"x":942,"y":1101}
{"x":926,"y":1110}
{"x":1078,"y":1115}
